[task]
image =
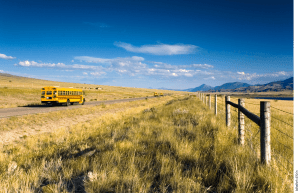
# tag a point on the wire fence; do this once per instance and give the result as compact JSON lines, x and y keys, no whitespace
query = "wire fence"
{"x":281,"y":133}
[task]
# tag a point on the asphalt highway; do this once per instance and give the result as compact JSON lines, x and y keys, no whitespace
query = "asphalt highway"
{"x":19,"y":111}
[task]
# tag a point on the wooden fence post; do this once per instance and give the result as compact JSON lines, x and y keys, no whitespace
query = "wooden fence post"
{"x":265,"y":132}
{"x":241,"y":118}
{"x":209,"y":101}
{"x":215,"y":104}
{"x":227,"y":109}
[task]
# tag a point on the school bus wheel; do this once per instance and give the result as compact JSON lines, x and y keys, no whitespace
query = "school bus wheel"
{"x":68,"y":103}
{"x":83,"y":102}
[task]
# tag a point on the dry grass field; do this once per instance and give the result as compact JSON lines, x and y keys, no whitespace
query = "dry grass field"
{"x":169,"y":144}
{"x":20,"y":91}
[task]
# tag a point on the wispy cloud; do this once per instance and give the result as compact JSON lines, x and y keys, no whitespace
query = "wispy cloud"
{"x":136,"y":66}
{"x":58,"y":65}
{"x":211,"y":77}
{"x":161,"y":49}
{"x":192,"y":66}
{"x":3,"y":56}
{"x":205,"y":66}
{"x":97,"y":73}
{"x":129,"y":65}
{"x":266,"y":76}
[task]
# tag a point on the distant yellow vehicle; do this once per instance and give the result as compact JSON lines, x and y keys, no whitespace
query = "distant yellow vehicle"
{"x":156,"y":94}
{"x":161,"y":94}
{"x":55,"y":95}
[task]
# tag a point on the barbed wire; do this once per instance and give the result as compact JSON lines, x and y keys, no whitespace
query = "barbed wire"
{"x":283,"y":157}
{"x":252,"y":103}
{"x":256,"y":134}
{"x":281,"y":164}
{"x":282,"y":121}
{"x":250,"y":131}
{"x":282,"y":144}
{"x":284,"y":133}
{"x":282,"y":110}
{"x":251,"y":146}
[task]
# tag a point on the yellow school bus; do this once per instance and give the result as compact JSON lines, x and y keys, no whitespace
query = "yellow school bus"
{"x":155,"y":94}
{"x":55,"y":95}
{"x":161,"y":94}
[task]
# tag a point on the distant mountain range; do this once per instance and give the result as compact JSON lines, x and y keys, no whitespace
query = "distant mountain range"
{"x":287,"y":84}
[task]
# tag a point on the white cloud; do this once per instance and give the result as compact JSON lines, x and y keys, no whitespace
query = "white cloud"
{"x":161,"y":49}
{"x":253,"y":76}
{"x":85,"y":73}
{"x":205,"y":66}
{"x":210,"y":78}
{"x":3,"y":56}
{"x":97,"y":73}
{"x":169,"y":66}
{"x":128,"y":61}
{"x":1,"y":71}
{"x":58,"y":65}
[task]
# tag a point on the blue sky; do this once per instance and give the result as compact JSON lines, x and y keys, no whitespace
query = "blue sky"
{"x":170,"y":44}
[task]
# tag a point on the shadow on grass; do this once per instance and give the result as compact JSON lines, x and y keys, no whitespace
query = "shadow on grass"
{"x":75,"y":184}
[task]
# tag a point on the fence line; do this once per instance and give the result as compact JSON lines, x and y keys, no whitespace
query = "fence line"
{"x":282,"y":121}
{"x":282,"y":110}
{"x":284,"y":133}
{"x":263,"y":120}
{"x":283,"y":144}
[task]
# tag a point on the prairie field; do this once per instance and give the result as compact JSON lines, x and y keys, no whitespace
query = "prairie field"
{"x":168,"y":144}
{"x":20,"y":91}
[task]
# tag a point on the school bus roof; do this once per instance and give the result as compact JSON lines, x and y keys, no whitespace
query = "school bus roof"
{"x":59,"y":88}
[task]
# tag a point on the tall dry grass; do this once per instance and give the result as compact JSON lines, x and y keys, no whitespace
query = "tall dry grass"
{"x":178,"y":146}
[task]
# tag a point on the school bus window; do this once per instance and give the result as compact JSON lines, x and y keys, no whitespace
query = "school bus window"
{"x":64,"y":93}
{"x":43,"y":92}
{"x":49,"y":92}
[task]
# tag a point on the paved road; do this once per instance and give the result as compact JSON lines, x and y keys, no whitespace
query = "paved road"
{"x":19,"y":111}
